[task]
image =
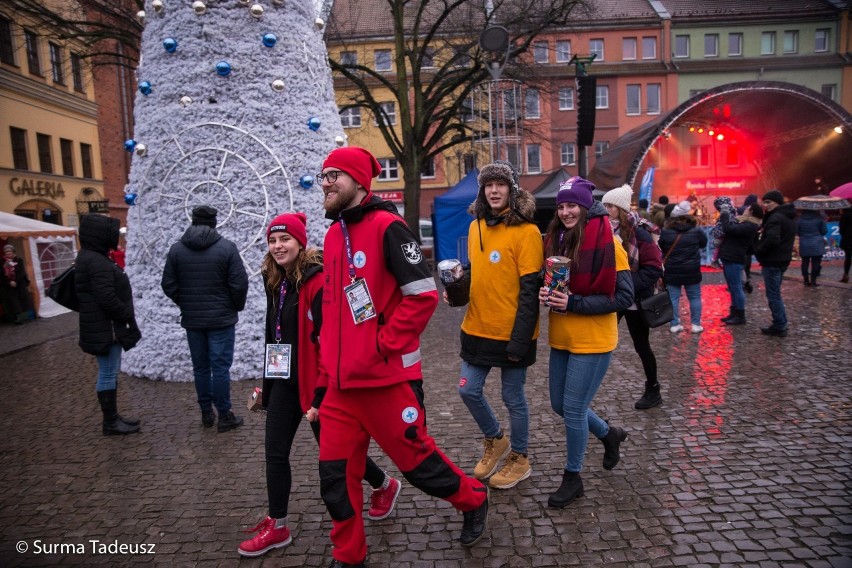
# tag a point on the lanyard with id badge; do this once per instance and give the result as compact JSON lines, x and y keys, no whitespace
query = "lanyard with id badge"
{"x":277,"y":364}
{"x":356,"y":292}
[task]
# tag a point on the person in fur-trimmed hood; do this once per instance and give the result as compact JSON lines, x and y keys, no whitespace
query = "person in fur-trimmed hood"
{"x":500,"y":327}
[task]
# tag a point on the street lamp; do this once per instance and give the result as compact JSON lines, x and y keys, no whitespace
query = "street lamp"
{"x":495,"y":39}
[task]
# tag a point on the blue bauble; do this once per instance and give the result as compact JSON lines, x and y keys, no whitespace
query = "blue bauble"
{"x":170,"y":44}
{"x":223,"y":68}
{"x":130,"y":198}
{"x":269,"y":40}
{"x":145,"y":87}
{"x":306,"y":181}
{"x":130,"y":145}
{"x":314,"y":123}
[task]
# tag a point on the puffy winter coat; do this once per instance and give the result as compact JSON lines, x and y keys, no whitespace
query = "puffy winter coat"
{"x":738,"y":239}
{"x":811,"y":228}
{"x":103,"y":289}
{"x":774,"y":247}
{"x":206,"y":278}
{"x":683,"y":264}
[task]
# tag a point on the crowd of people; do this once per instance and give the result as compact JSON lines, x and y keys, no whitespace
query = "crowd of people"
{"x":371,"y":287}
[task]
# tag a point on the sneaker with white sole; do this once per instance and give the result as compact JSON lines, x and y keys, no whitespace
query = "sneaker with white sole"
{"x":697,"y":328}
{"x":383,"y":500}
{"x":676,"y":328}
{"x":267,"y":538}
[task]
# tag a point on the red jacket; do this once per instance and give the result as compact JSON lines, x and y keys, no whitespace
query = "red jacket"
{"x":385,"y":349}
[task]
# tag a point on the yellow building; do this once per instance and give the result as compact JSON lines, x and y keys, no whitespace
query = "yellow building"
{"x":50,"y":164}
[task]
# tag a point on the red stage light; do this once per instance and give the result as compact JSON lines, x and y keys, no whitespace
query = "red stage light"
{"x":710,"y":133}
{"x":701,"y":131}
{"x":720,"y":137}
{"x":692,"y":129}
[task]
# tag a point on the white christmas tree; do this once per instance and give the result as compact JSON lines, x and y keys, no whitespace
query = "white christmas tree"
{"x":235,"y":109}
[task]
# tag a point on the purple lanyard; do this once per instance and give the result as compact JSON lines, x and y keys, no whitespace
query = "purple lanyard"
{"x":348,"y":242}
{"x":281,"y":297}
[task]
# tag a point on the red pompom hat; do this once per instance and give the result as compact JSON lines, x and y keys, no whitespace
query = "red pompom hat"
{"x":357,"y":162}
{"x":291,"y":223}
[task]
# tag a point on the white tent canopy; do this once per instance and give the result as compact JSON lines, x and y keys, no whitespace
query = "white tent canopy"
{"x":47,"y":250}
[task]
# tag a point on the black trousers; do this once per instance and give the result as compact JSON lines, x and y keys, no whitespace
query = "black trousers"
{"x":283,"y":416}
{"x":640,"y":334}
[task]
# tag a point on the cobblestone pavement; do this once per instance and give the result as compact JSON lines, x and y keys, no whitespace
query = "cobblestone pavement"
{"x":746,"y":463}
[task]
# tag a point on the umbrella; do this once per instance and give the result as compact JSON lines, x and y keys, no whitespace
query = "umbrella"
{"x":844,"y":191}
{"x":821,"y":202}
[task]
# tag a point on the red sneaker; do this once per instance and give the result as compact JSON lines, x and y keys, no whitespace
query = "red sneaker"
{"x":267,"y":538}
{"x":383,"y":500}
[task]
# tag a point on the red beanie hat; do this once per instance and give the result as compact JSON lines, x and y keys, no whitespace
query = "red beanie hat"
{"x":292,"y":223}
{"x":357,"y":162}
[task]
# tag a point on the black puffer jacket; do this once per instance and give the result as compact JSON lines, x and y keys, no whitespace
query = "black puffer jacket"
{"x":683,"y":264}
{"x":774,"y":247}
{"x":206,"y":278}
{"x":106,"y":300}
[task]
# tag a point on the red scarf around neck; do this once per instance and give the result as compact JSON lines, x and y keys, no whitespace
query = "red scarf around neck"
{"x":593,"y":270}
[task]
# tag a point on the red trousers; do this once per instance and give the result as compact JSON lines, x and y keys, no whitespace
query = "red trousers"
{"x":395,"y":418}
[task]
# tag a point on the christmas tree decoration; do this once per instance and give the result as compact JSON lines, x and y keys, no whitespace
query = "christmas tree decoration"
{"x":319,"y":23}
{"x":131,"y":198}
{"x":314,"y":123}
{"x":339,"y":140}
{"x":269,"y":40}
{"x":245,"y":2}
{"x":256,"y":10}
{"x":277,"y":2}
{"x":223,"y":68}
{"x":140,"y":15}
{"x":170,"y":44}
{"x":221,"y":141}
{"x":141,"y":149}
{"x":145,"y":87}
{"x":158,"y":6}
{"x":129,"y":145}
{"x":306,"y":181}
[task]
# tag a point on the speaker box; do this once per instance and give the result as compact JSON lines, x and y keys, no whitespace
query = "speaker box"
{"x":586,"y":110}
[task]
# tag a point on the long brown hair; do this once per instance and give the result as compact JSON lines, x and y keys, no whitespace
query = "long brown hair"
{"x":274,"y":273}
{"x":571,"y":238}
{"x":625,"y":227}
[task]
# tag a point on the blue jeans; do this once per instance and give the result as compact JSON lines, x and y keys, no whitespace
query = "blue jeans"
{"x":212,"y":352}
{"x":108,"y":368}
{"x":734,"y":277}
{"x":772,"y":281}
{"x":693,"y":294}
{"x":574,"y":381}
{"x":513,"y":381}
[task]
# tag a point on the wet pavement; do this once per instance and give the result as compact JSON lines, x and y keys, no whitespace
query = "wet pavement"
{"x":746,"y":463}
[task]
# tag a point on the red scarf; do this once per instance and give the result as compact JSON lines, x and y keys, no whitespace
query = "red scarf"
{"x":593,"y":271}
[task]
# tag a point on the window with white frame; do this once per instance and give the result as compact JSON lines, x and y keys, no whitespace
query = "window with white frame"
{"x":829,"y":90}
{"x":510,"y":111}
{"x":601,"y":96}
{"x":563,"y":51}
{"x":532,"y":104}
{"x":533,"y":158}
{"x":654,"y":91}
{"x":466,"y":110}
{"x":428,"y":58}
{"x":469,"y":163}
{"x":427,"y":170}
{"x":791,"y":41}
{"x":596,"y":48}
{"x":711,"y":45}
{"x":540,"y":52}
{"x":634,"y":100}
{"x":389,"y":111}
{"x":735,"y":45}
{"x":821,"y":40}
{"x":350,"y":117}
{"x":348,"y":58}
{"x":681,"y":46}
{"x":390,"y":169}
{"x":699,"y":156}
{"x":513,"y":153}
{"x":600,"y":148}
{"x":566,"y":98}
{"x":568,"y":154}
{"x":767,"y":43}
{"x":649,"y":48}
{"x":628,"y":48}
{"x":383,"y":59}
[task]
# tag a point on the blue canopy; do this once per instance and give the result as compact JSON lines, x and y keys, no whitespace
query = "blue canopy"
{"x":450,"y":220}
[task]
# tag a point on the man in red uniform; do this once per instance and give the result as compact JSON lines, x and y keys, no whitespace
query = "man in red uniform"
{"x":378,"y":296}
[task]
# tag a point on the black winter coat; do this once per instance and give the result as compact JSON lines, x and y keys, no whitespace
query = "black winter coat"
{"x":739,"y":239}
{"x":774,"y":247}
{"x":205,"y":276}
{"x":103,"y":289}
{"x":683,"y":264}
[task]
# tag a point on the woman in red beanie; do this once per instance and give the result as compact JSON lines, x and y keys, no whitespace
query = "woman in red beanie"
{"x":293,"y":282}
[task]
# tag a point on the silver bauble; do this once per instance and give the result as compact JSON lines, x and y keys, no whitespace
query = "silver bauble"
{"x":278,"y":85}
{"x":141,"y":149}
{"x":185,"y":101}
{"x":256,"y":10}
{"x":157,"y":5}
{"x":339,"y":140}
{"x":140,"y":15}
{"x":199,"y":7}
{"x":319,"y":23}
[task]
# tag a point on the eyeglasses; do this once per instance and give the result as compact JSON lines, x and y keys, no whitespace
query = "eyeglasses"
{"x":330,"y":176}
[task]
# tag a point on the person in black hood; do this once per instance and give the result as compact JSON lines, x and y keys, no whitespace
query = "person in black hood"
{"x":107,"y":320}
{"x":774,"y":251}
{"x":205,"y":276}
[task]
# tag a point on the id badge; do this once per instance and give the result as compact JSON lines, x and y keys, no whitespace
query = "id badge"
{"x":360,"y":302}
{"x":277,"y":361}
